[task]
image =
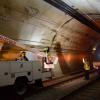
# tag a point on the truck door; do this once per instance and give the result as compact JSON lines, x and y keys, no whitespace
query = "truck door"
{"x":4,"y":73}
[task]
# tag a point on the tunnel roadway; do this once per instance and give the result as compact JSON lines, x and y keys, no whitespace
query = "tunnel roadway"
{"x":53,"y":92}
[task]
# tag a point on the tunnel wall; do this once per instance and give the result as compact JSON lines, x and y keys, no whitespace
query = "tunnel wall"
{"x":69,"y":64}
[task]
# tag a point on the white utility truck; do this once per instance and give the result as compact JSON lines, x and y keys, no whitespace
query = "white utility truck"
{"x":22,"y":73}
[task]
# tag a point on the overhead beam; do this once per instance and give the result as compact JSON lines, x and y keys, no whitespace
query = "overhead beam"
{"x":74,"y":13}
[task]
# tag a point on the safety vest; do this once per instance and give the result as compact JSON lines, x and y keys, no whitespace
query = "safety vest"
{"x":86,"y":66}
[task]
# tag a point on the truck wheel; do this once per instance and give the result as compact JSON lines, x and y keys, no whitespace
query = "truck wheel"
{"x":21,"y":87}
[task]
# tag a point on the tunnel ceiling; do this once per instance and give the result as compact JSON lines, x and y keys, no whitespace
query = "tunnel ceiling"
{"x":39,"y":24}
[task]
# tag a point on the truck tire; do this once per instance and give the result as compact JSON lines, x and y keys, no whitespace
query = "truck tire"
{"x":21,"y":87}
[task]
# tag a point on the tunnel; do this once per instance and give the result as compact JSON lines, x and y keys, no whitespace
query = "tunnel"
{"x":70,"y":28}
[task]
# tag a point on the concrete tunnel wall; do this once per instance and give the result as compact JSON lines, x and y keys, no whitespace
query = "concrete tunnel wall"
{"x":70,"y":63}
{"x":73,"y":35}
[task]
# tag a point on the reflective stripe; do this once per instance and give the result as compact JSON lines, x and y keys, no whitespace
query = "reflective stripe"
{"x":86,"y":66}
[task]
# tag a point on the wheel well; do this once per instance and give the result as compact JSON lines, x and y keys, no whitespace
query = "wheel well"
{"x":21,"y":78}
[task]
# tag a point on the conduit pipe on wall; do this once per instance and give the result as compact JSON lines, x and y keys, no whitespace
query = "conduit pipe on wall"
{"x":74,"y":13}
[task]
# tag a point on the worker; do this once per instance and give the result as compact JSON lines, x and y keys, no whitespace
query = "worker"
{"x":22,"y":57}
{"x":86,"y":68}
{"x":47,"y":58}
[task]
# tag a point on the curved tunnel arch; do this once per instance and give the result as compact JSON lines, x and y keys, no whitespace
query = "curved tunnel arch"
{"x":39,"y":30}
